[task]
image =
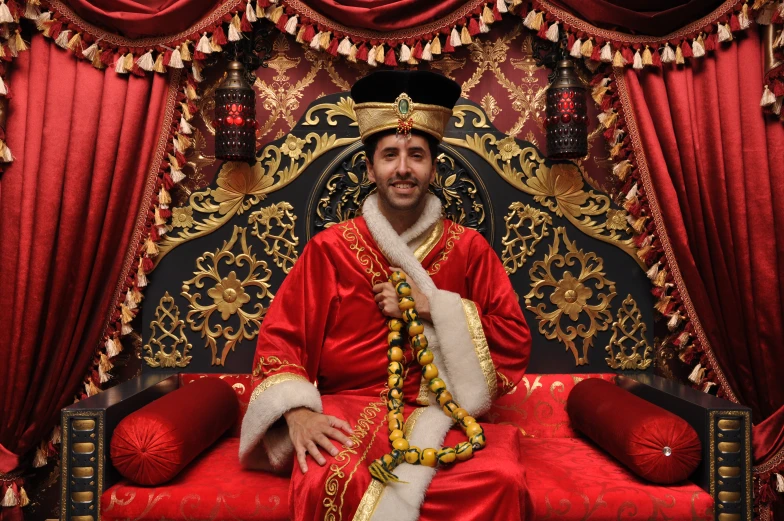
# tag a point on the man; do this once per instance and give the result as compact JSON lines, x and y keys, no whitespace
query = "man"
{"x":328,"y":326}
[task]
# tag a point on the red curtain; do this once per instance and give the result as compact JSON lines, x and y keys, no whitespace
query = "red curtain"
{"x":84,"y":140}
{"x":717,"y":168}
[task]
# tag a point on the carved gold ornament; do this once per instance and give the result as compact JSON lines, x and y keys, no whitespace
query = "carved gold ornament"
{"x":171,"y":337}
{"x":628,"y":337}
{"x":278,"y":234}
{"x":519,"y":245}
{"x":228,"y":296}
{"x":182,"y":217}
{"x":508,"y":148}
{"x":292,"y":147}
{"x":572,"y":295}
{"x":559,"y":187}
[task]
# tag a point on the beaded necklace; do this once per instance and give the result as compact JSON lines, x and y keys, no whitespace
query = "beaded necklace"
{"x":382,"y":468}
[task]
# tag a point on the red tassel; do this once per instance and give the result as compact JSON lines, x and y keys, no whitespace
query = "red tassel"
{"x":7,"y":54}
{"x":167,"y":57}
{"x":473,"y":27}
{"x":417,"y":52}
{"x":168,"y":182}
{"x":245,"y":25}
{"x":496,"y":12}
{"x":55,"y":29}
{"x":606,"y":102}
{"x":198,"y":55}
{"x":596,"y":54}
{"x":778,"y":88}
{"x":281,"y":25}
{"x":154,"y":234}
{"x":543,"y":31}
{"x":656,"y":58}
{"x":362,"y":53}
{"x":137,"y":71}
{"x":219,"y":36}
{"x":627,"y":54}
{"x":147,"y":264}
{"x":165,"y":213}
{"x":390,"y":58}
{"x":309,"y":33}
{"x":710,"y":42}
{"x":107,"y":57}
{"x":569,"y":41}
{"x":686,"y":49}
{"x":333,"y":46}
{"x":448,"y":47}
{"x":777,"y":19}
{"x":180,"y":159}
{"x":734,"y":23}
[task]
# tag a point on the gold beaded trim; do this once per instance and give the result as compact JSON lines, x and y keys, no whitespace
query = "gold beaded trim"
{"x":274,"y":380}
{"x":480,"y":346}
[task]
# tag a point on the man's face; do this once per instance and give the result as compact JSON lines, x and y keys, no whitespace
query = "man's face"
{"x":402,"y":169}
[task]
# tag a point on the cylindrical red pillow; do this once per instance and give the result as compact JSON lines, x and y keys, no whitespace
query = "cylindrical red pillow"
{"x":152,"y":445}
{"x":654,"y":443}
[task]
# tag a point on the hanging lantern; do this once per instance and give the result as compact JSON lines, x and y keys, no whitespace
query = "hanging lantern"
{"x":235,"y":117}
{"x":567,"y":114}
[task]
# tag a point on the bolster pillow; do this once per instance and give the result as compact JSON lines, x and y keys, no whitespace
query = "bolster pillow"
{"x":652,"y":442}
{"x":152,"y":445}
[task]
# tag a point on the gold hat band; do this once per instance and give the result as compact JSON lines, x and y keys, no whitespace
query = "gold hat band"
{"x":374,"y":117}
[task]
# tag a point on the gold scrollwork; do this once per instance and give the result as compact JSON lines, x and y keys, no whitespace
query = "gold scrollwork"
{"x":344,"y":107}
{"x":559,"y":187}
{"x":277,"y":215}
{"x":459,"y":113}
{"x":241,"y":186}
{"x":524,"y":243}
{"x":229,"y":295}
{"x":167,"y":320}
{"x":571,"y":295}
{"x":628,"y":336}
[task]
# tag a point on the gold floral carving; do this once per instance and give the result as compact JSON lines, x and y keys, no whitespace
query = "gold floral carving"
{"x":572,"y":296}
{"x":282,"y":246}
{"x":171,"y":337}
{"x":228,"y":295}
{"x":628,"y":337}
{"x":559,"y":187}
{"x":351,"y":194}
{"x":241,"y":186}
{"x":182,"y":217}
{"x":451,"y":188}
{"x":490,"y":106}
{"x":459,"y":113}
{"x":344,"y":107}
{"x":519,"y":246}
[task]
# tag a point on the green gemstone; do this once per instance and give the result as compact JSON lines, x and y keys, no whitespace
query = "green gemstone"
{"x":402,"y":106}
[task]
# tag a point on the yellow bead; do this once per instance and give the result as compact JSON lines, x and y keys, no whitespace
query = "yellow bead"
{"x":447,"y":455}
{"x":395,"y":354}
{"x":412,"y":455}
{"x":395,"y":381}
{"x":395,"y":435}
{"x":396,"y":393}
{"x":430,"y":371}
{"x":403,"y":289}
{"x":425,"y":356}
{"x":400,"y":444}
{"x":395,"y":425}
{"x":397,"y":276}
{"x":478,"y":441}
{"x":406,"y":303}
{"x":410,"y":315}
{"x":395,"y":368}
{"x":388,"y":460}
{"x":428,"y":458}
{"x":436,"y":384}
{"x":459,"y":414}
{"x":473,"y":429}
{"x":444,"y":397}
{"x":416,"y":328}
{"x":467,"y":420}
{"x":419,"y":342}
{"x":395,"y":338}
{"x":395,"y":324}
{"x":464,"y":451}
{"x":450,"y":408}
{"x":394,"y":404}
{"x":394,"y":415}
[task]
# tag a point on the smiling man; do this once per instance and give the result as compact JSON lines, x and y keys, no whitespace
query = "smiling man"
{"x":372,"y":440}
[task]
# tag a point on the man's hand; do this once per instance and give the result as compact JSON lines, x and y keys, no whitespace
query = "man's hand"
{"x":308,"y":430}
{"x":387,"y":300}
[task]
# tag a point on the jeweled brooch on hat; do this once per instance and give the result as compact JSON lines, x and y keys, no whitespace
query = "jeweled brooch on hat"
{"x":404,"y":108}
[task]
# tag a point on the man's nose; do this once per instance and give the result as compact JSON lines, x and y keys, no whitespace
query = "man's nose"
{"x":402,"y":168}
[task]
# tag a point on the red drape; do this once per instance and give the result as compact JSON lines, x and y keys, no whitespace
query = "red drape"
{"x":716,"y":164}
{"x":84,"y":141}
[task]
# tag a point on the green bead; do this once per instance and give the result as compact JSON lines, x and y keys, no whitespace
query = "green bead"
{"x":415,"y":327}
{"x":393,"y":404}
{"x":397,"y":276}
{"x":395,"y":324}
{"x":424,"y":357}
{"x":395,"y":368}
{"x":403,"y":289}
{"x":419,"y":342}
{"x":395,"y":381}
{"x":464,"y":450}
{"x":436,"y":384}
{"x":410,"y":315}
{"x":479,"y":441}
{"x":395,"y":339}
{"x":397,"y":455}
{"x":446,"y":455}
{"x":405,"y":304}
{"x":412,"y":455}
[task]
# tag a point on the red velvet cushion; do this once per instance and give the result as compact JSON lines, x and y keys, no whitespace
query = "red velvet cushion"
{"x":153,"y":444}
{"x":636,"y":432}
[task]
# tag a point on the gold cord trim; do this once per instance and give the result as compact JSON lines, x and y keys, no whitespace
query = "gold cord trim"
{"x":375,"y":117}
{"x":480,"y":346}
{"x":274,"y":380}
{"x":455,"y":232}
{"x":366,"y":256}
{"x":369,"y":501}
{"x":426,"y":247}
{"x":408,"y":428}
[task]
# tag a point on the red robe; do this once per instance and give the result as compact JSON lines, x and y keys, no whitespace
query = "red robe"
{"x":324,"y":327}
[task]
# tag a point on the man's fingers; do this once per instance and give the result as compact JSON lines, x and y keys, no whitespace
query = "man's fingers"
{"x":379,"y":287}
{"x":313,"y":450}
{"x":339,"y":436}
{"x":303,"y":464}
{"x":340,"y":424}
{"x":327,"y":445}
{"x":379,"y":297}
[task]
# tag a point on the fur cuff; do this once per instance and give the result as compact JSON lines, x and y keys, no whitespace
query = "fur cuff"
{"x":265,"y":444}
{"x":463,"y":361}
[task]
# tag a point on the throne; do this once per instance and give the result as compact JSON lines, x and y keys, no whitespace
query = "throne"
{"x":567,"y":249}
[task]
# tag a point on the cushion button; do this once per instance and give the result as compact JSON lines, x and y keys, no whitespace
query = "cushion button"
{"x":667,"y":451}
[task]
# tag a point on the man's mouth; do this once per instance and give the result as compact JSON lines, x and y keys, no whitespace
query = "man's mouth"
{"x":403,"y":186}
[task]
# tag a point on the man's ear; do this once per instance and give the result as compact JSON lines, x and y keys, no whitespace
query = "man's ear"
{"x":433,"y":172}
{"x":371,"y":173}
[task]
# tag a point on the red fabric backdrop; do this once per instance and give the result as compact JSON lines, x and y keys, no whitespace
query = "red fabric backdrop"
{"x":717,"y":169}
{"x":84,"y":140}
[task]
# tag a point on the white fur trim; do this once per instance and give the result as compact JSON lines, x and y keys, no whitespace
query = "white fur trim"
{"x":402,"y":501}
{"x":261,"y":445}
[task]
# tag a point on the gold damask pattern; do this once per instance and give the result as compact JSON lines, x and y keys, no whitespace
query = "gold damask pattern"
{"x":453,"y":235}
{"x":366,"y":256}
{"x":480,"y":346}
{"x":277,"y":216}
{"x":628,"y":337}
{"x":274,"y":380}
{"x":571,"y":295}
{"x":229,"y":295}
{"x":519,"y":246}
{"x":171,"y":337}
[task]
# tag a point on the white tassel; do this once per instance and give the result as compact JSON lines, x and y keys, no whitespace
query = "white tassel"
{"x":31,"y":11}
{"x":44,"y":17}
{"x":743,"y":19}
{"x":314,"y":43}
{"x":119,"y":67}
{"x":7,"y":157}
{"x":483,"y":27}
{"x":111,"y":348}
{"x":9,"y":500}
{"x":427,"y":55}
{"x":234,"y":35}
{"x":632,"y":193}
{"x":529,"y":19}
{"x":780,"y":40}
{"x":90,"y":52}
{"x":725,"y":35}
{"x":176,"y":145}
{"x":405,"y":54}
{"x":185,"y":127}
{"x":767,"y":98}
{"x":696,"y":374}
{"x":129,"y":302}
{"x":654,"y":270}
{"x":552,"y":32}
{"x":5,"y":13}
{"x":668,"y":55}
{"x":197,"y":73}
{"x":291,"y":25}
{"x":176,"y":59}
{"x":455,"y":38}
{"x":141,"y":278}
{"x":637,"y":63}
{"x":606,"y":55}
{"x":345,"y":47}
{"x":56,"y":435}
{"x":708,"y":386}
{"x":126,"y":329}
{"x":250,"y":13}
{"x":62,"y":39}
{"x":674,"y":321}
{"x":204,"y":45}
{"x":501,"y":5}
{"x":574,"y":52}
{"x":372,"y":57}
{"x":697,"y":48}
{"x":146,"y":62}
{"x":4,"y":89}
{"x":176,"y":174}
{"x":779,"y":483}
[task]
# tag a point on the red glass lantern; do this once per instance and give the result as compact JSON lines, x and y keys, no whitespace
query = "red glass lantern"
{"x":235,"y":117}
{"x":567,"y":114}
